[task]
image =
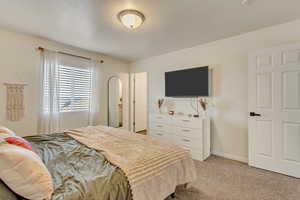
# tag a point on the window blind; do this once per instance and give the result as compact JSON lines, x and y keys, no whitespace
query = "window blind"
{"x":75,"y":87}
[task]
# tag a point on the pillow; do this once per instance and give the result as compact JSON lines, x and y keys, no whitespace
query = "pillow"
{"x":5,"y":132}
{"x":24,"y":173}
{"x":18,"y":141}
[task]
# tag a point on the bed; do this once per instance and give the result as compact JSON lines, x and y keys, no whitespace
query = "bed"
{"x":80,"y":172}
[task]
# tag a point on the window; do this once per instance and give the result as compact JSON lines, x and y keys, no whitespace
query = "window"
{"x":67,"y":89}
{"x":75,"y":86}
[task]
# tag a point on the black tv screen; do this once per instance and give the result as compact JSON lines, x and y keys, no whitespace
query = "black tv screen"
{"x":187,"y":83}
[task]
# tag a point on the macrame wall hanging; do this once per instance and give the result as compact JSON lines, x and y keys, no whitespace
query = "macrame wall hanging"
{"x":15,"y":101}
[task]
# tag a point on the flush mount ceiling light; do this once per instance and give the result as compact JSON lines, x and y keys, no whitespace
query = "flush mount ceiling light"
{"x":132,"y":19}
{"x":245,"y":2}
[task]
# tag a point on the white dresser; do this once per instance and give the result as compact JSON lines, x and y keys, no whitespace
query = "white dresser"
{"x":187,"y":132}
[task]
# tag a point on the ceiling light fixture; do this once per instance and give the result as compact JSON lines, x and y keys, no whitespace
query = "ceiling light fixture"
{"x":245,"y":2}
{"x":132,"y":19}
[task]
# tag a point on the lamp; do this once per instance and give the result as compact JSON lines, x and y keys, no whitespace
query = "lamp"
{"x":132,"y":19}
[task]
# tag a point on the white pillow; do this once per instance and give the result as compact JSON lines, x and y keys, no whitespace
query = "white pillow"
{"x":23,"y":172}
{"x":5,"y":132}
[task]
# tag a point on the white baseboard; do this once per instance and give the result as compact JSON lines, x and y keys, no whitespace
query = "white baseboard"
{"x":231,"y":157}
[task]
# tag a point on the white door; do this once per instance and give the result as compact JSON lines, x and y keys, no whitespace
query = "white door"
{"x":274,"y":94}
{"x":140,"y":101}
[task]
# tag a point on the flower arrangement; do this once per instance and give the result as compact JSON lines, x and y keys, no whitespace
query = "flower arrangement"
{"x":160,"y":102}
{"x":203,"y":104}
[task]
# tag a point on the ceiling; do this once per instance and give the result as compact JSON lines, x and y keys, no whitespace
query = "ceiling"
{"x":170,"y":24}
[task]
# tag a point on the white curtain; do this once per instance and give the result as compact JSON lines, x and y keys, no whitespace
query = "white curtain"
{"x":95,"y":96}
{"x":49,"y":117}
{"x":51,"y":120}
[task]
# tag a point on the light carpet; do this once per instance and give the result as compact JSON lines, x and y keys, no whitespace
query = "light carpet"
{"x":223,"y":179}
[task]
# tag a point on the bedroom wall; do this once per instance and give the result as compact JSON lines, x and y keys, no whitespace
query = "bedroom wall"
{"x":229,"y":59}
{"x":19,"y":62}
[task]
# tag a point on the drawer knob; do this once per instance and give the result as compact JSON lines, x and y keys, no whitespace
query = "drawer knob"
{"x":185,"y":120}
{"x":185,"y":130}
{"x":159,"y":126}
{"x":186,"y":140}
{"x":159,"y":134}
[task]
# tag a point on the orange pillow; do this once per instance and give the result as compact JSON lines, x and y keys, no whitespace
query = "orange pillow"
{"x":19,"y":142}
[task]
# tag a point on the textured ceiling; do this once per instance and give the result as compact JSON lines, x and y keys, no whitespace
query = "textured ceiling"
{"x":170,"y":24}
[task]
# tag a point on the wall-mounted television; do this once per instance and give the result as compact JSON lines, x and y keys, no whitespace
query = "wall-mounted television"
{"x":192,"y":82}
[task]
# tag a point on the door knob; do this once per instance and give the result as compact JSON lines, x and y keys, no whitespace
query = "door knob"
{"x":253,"y":114}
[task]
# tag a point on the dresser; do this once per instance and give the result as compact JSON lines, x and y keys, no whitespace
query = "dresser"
{"x":187,"y":132}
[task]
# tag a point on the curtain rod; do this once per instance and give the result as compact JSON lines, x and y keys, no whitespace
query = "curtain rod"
{"x":68,"y":54}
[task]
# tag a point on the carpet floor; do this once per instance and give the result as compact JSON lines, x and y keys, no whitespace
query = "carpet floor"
{"x":223,"y":179}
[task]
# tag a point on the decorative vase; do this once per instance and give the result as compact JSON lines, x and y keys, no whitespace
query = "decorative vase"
{"x":160,"y":104}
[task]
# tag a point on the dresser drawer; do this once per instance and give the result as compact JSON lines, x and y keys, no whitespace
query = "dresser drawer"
{"x":195,"y":150}
{"x":188,"y":132}
{"x":191,"y":143}
{"x":189,"y":122}
{"x":160,"y":126}
{"x":161,"y":136}
{"x":159,"y":118}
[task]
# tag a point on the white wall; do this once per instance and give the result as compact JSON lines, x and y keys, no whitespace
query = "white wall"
{"x":229,"y":58}
{"x":19,"y":62}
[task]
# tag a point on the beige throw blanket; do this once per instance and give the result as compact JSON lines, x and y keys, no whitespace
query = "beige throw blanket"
{"x":153,"y":169}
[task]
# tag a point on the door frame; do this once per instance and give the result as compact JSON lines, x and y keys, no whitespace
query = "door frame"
{"x":132,"y":99}
{"x":251,"y":120}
